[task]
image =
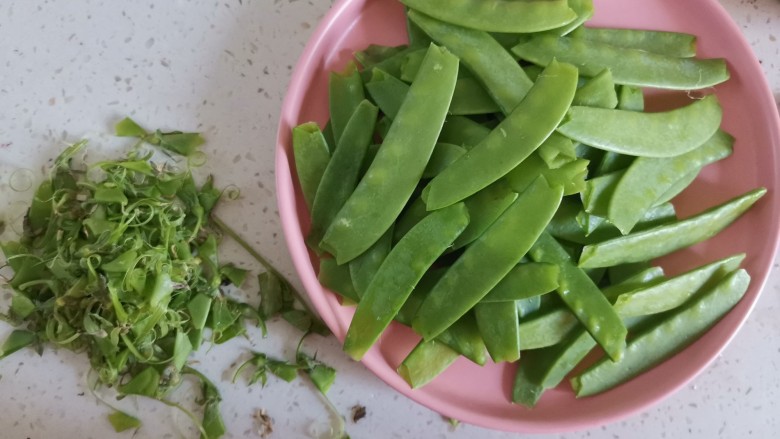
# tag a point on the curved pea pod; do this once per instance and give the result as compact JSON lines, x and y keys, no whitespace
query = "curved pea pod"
{"x":488,"y":259}
{"x":375,"y":54}
{"x":496,"y":69}
{"x":661,"y":240}
{"x":343,"y":171}
{"x":337,"y":279}
{"x":628,"y":66}
{"x":498,"y":15}
{"x":443,"y":155}
{"x":647,"y":179}
{"x":426,"y":361}
{"x":499,"y":326}
{"x":571,"y":176}
{"x":670,"y":335}
{"x":391,"y":64}
{"x":584,"y":11}
{"x":676,"y":44}
{"x":557,"y":150}
{"x":470,"y":97}
{"x":484,"y":208}
{"x":384,"y":190}
{"x":583,"y":297}
{"x":363,"y":268}
{"x":462,"y":131}
{"x":678,"y":186}
{"x":412,"y":215}
{"x":403,"y":267}
{"x":514,"y":139}
{"x":547,"y":329}
{"x":387,"y":91}
{"x":527,"y":279}
{"x":345,"y":91}
{"x":311,"y":158}
{"x":598,"y":92}
{"x":671,"y":293}
{"x":663,"y":134}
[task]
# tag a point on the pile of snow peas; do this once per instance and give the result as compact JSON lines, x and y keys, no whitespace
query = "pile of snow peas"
{"x":497,"y":185}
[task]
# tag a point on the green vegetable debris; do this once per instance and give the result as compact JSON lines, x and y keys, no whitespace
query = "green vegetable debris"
{"x":119,"y":259}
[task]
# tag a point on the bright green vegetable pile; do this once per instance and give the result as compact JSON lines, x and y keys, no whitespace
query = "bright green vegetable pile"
{"x":496,"y":185}
{"x":118,"y":259}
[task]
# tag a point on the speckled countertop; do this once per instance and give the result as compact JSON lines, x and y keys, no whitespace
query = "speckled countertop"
{"x":69,"y":69}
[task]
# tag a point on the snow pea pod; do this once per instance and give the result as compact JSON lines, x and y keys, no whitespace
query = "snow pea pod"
{"x":498,"y":71}
{"x":647,"y":179}
{"x":403,"y":267}
{"x":498,"y":324}
{"x":498,"y":15}
{"x":598,"y":92}
{"x":663,"y":134}
{"x":375,"y":54}
{"x":426,"y":361}
{"x":584,"y":11}
{"x":514,"y":139}
{"x":583,"y":297}
{"x":547,"y":329}
{"x":462,"y":131}
{"x":570,"y":175}
{"x":676,"y":44}
{"x":311,"y":158}
{"x":363,"y":268}
{"x":667,"y":238}
{"x":342,"y":173}
{"x":557,"y":150}
{"x":676,"y":331}
{"x":527,"y":279}
{"x":629,"y":66}
{"x":673,"y":292}
{"x":443,"y":155}
{"x":345,"y":91}
{"x":488,"y":259}
{"x":336,"y":278}
{"x":384,"y":190}
{"x":484,"y":208}
{"x":387,"y":92}
{"x":470,"y":97}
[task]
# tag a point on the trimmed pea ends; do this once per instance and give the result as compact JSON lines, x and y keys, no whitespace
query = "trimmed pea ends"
{"x":119,"y":259}
{"x":514,"y":192}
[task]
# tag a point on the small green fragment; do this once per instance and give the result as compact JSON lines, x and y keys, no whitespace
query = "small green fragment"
{"x":121,"y":421}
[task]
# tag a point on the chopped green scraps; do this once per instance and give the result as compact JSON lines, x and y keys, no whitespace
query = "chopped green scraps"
{"x":119,"y":259}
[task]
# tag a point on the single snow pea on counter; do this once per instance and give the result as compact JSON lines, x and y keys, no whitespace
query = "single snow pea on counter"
{"x":515,"y":138}
{"x":498,"y":15}
{"x":386,"y":187}
{"x":400,"y":271}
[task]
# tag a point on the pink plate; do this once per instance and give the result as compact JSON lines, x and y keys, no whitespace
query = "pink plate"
{"x":481,"y":395}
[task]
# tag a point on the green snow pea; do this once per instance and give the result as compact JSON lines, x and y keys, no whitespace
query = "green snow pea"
{"x":498,"y":15}
{"x":488,"y":259}
{"x":426,"y":361}
{"x":680,"y":185}
{"x":384,"y":190}
{"x":583,"y":297}
{"x":462,"y":131}
{"x":498,"y":71}
{"x":640,"y":280}
{"x":311,"y":158}
{"x":629,"y":66}
{"x":417,"y":36}
{"x":498,"y":323}
{"x":375,"y":54}
{"x":342,"y":173}
{"x":647,"y":179}
{"x":387,"y":91}
{"x":661,"y":240}
{"x":674,"y":44}
{"x":443,"y":154}
{"x":363,"y":268}
{"x":470,"y":97}
{"x":392,"y":64}
{"x":527,"y":279}
{"x":411,"y":215}
{"x":546,"y":329}
{"x":346,"y":93}
{"x":584,"y":11}
{"x":676,"y":331}
{"x":403,"y":267}
{"x":484,"y":208}
{"x":673,"y":292}
{"x":570,"y":175}
{"x":598,"y":92}
{"x":514,"y":139}
{"x":631,"y":98}
{"x":337,"y":279}
{"x":663,"y":134}
{"x":528,"y":305}
{"x":557,"y":151}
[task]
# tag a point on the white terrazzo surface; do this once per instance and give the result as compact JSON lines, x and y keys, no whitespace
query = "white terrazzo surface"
{"x":69,"y":69}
